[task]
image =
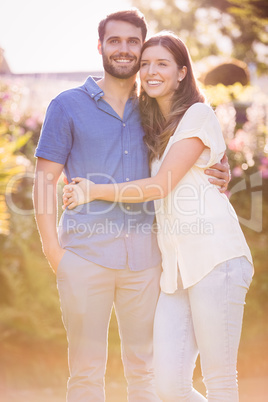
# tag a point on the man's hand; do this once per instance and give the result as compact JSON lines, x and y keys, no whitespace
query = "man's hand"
{"x":221,"y":174}
{"x":77,"y":193}
{"x":54,"y":257}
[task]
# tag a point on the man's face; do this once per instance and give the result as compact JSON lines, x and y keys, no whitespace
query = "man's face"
{"x":121,"y":49}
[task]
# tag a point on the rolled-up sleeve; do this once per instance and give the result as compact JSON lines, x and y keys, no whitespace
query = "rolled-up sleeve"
{"x":55,"y":141}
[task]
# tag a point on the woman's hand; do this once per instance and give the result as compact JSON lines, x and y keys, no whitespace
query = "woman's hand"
{"x":221,"y":174}
{"x":77,"y":193}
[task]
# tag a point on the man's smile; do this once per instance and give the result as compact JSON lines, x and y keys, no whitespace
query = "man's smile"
{"x":123,"y":60}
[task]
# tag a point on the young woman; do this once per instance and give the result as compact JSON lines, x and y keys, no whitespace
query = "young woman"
{"x":207,"y":265}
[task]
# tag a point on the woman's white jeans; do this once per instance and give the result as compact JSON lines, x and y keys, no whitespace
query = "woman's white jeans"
{"x":207,"y":319}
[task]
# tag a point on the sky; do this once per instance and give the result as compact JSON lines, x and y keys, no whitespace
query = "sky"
{"x":53,"y":35}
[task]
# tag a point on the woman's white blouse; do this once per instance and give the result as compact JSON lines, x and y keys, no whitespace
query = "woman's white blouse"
{"x":197,"y":226}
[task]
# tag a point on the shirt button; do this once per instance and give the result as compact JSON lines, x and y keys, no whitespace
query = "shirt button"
{"x":127,"y":179}
{"x":126,"y":152}
{"x":128,"y":207}
{"x":124,"y":124}
{"x":127,"y":235}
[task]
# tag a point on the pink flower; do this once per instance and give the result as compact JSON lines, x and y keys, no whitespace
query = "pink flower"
{"x":237,"y":171}
{"x":264,"y":161}
{"x":265,"y":174}
{"x":264,"y":171}
{"x":237,"y":143}
{"x":5,"y":96}
{"x":31,"y":123}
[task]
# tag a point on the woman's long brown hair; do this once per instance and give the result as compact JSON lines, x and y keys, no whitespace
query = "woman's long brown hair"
{"x":157,"y":129}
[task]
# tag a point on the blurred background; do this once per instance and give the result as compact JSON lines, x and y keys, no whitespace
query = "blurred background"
{"x":49,"y":46}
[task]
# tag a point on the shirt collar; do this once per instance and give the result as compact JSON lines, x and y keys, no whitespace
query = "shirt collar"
{"x":95,"y":92}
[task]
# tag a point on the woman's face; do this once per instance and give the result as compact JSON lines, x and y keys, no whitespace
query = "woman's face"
{"x":159,"y":73}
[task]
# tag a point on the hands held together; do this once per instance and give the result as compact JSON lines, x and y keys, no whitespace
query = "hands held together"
{"x":77,"y":192}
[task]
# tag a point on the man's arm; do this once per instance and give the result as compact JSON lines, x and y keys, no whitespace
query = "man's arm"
{"x":47,"y":174}
{"x":221,"y":174}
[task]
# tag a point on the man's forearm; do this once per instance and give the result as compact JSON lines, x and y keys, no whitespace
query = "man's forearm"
{"x":45,"y":204}
{"x":46,"y":215}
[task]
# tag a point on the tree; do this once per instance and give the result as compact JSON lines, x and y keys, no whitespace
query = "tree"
{"x":212,"y":27}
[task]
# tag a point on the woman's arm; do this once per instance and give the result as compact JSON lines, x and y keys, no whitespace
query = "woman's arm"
{"x":179,"y":159}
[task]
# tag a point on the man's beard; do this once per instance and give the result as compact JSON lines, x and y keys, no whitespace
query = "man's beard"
{"x":123,"y":71}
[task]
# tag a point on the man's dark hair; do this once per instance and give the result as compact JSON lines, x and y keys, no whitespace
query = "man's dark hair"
{"x":132,"y":16}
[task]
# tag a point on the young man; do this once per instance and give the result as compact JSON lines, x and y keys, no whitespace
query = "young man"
{"x":106,"y":253}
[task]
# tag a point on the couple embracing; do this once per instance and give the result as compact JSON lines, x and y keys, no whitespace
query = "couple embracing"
{"x":132,"y":154}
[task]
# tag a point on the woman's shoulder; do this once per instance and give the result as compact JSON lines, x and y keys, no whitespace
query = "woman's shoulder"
{"x":200,"y":109}
{"x":196,"y":115}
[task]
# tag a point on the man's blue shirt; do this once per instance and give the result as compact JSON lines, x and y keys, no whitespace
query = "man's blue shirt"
{"x":83,"y":132}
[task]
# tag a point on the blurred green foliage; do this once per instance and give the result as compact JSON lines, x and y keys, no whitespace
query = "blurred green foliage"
{"x":30,"y":322}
